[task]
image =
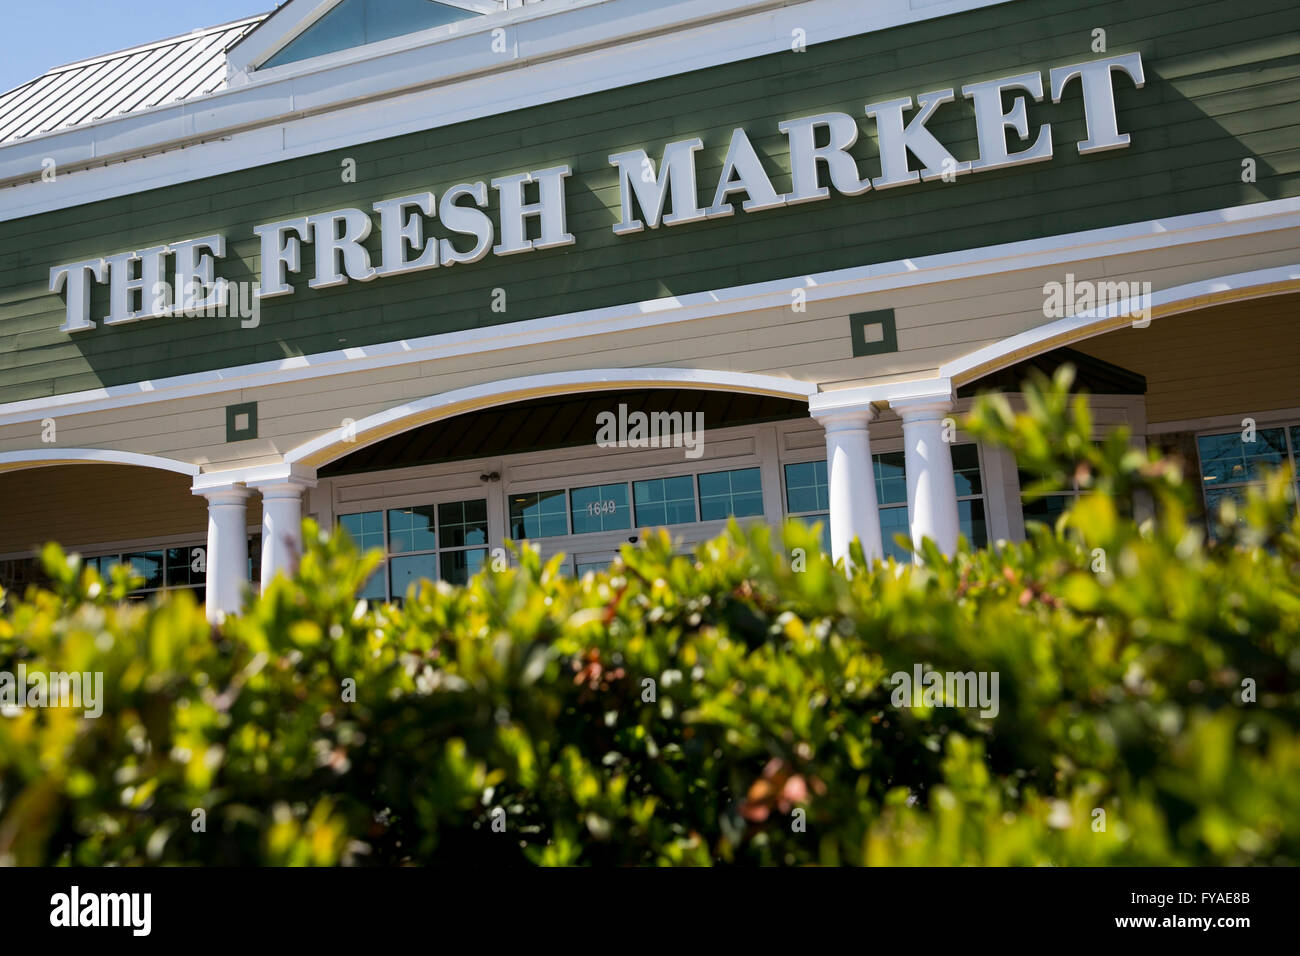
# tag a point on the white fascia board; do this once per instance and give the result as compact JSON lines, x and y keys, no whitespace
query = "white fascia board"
{"x":38,"y":457}
{"x":556,"y":50}
{"x":1123,"y":240}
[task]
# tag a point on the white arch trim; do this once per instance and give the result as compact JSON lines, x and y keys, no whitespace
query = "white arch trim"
{"x":1172,"y":301}
{"x":340,"y":441}
{"x":44,"y":457}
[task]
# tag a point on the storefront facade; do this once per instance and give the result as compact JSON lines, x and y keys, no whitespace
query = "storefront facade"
{"x":436,"y":282}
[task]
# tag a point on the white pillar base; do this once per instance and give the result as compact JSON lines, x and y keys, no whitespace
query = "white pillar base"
{"x":854,"y":509}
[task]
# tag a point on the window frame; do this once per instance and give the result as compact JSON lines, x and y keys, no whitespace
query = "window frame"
{"x":421,"y":500}
{"x":1289,"y":426}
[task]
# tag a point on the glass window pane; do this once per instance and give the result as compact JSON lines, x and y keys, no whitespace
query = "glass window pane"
{"x":806,"y":487}
{"x":104,"y":564}
{"x":891,"y":482}
{"x":376,"y":586}
{"x":411,"y":529}
{"x":1230,"y":458}
{"x":746,"y":480}
{"x":973,"y":526}
{"x":148,"y":565}
{"x":366,"y":529}
{"x":715,"y":484}
{"x":411,"y":569}
{"x":255,"y":557}
{"x":600,"y":508}
{"x":664,"y":501}
{"x":1028,"y":479}
{"x":727,"y":493}
{"x":966,"y":469}
{"x":1295,"y":459}
{"x":356,"y":22}
{"x":1215,"y":497}
{"x":386,"y":19}
{"x":539,"y":514}
{"x":1046,"y":509}
{"x":463,"y":522}
{"x":893,"y":521}
{"x":459,"y":566}
{"x":186,"y":566}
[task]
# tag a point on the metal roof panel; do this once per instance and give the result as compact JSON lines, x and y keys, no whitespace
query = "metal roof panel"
{"x":138,"y":78}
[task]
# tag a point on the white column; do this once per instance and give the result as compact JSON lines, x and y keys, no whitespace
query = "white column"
{"x":227,"y":559}
{"x":281,"y":525}
{"x":1002,"y":503}
{"x":931,"y":492}
{"x":854,"y":510}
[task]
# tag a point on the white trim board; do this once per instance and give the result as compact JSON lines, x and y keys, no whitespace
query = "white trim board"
{"x":374,"y":427}
{"x":556,"y":50}
{"x":1267,"y":418}
{"x":40,"y":457}
{"x":1081,"y":326}
{"x":861,"y":280}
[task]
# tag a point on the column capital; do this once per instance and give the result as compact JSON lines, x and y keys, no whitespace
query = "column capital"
{"x":259,"y":477}
{"x":922,"y":401}
{"x":847,"y":417}
{"x":290,"y":487}
{"x":921,"y":409}
{"x":235,"y":493}
{"x":897,"y":395}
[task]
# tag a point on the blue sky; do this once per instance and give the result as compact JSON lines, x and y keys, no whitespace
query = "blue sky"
{"x":40,"y":34}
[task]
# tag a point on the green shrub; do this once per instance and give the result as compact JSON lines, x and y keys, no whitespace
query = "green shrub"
{"x":318,"y":729}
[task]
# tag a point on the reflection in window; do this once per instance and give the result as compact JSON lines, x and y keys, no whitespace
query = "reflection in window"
{"x":186,"y":567}
{"x":463,"y":523}
{"x":424,"y":543}
{"x":411,"y":529}
{"x":147,"y":565}
{"x":600,"y":508}
{"x":664,"y":501}
{"x":1230,"y":463}
{"x":539,"y":514}
{"x":806,"y":487}
{"x":163,"y":569}
{"x":970,"y":494}
{"x":365,"y":529}
{"x":408,"y":570}
{"x":807,"y":497}
{"x":356,"y":22}
{"x":727,"y":493}
{"x":891,"y":477}
{"x":459,"y":566}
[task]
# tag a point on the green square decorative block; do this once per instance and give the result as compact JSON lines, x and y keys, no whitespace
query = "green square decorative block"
{"x":241,"y":421}
{"x":873,"y":333}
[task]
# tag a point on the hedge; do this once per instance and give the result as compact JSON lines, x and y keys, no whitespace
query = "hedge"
{"x":734,"y":707}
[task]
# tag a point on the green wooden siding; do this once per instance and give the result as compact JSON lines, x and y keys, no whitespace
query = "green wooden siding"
{"x":1223,"y":84}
